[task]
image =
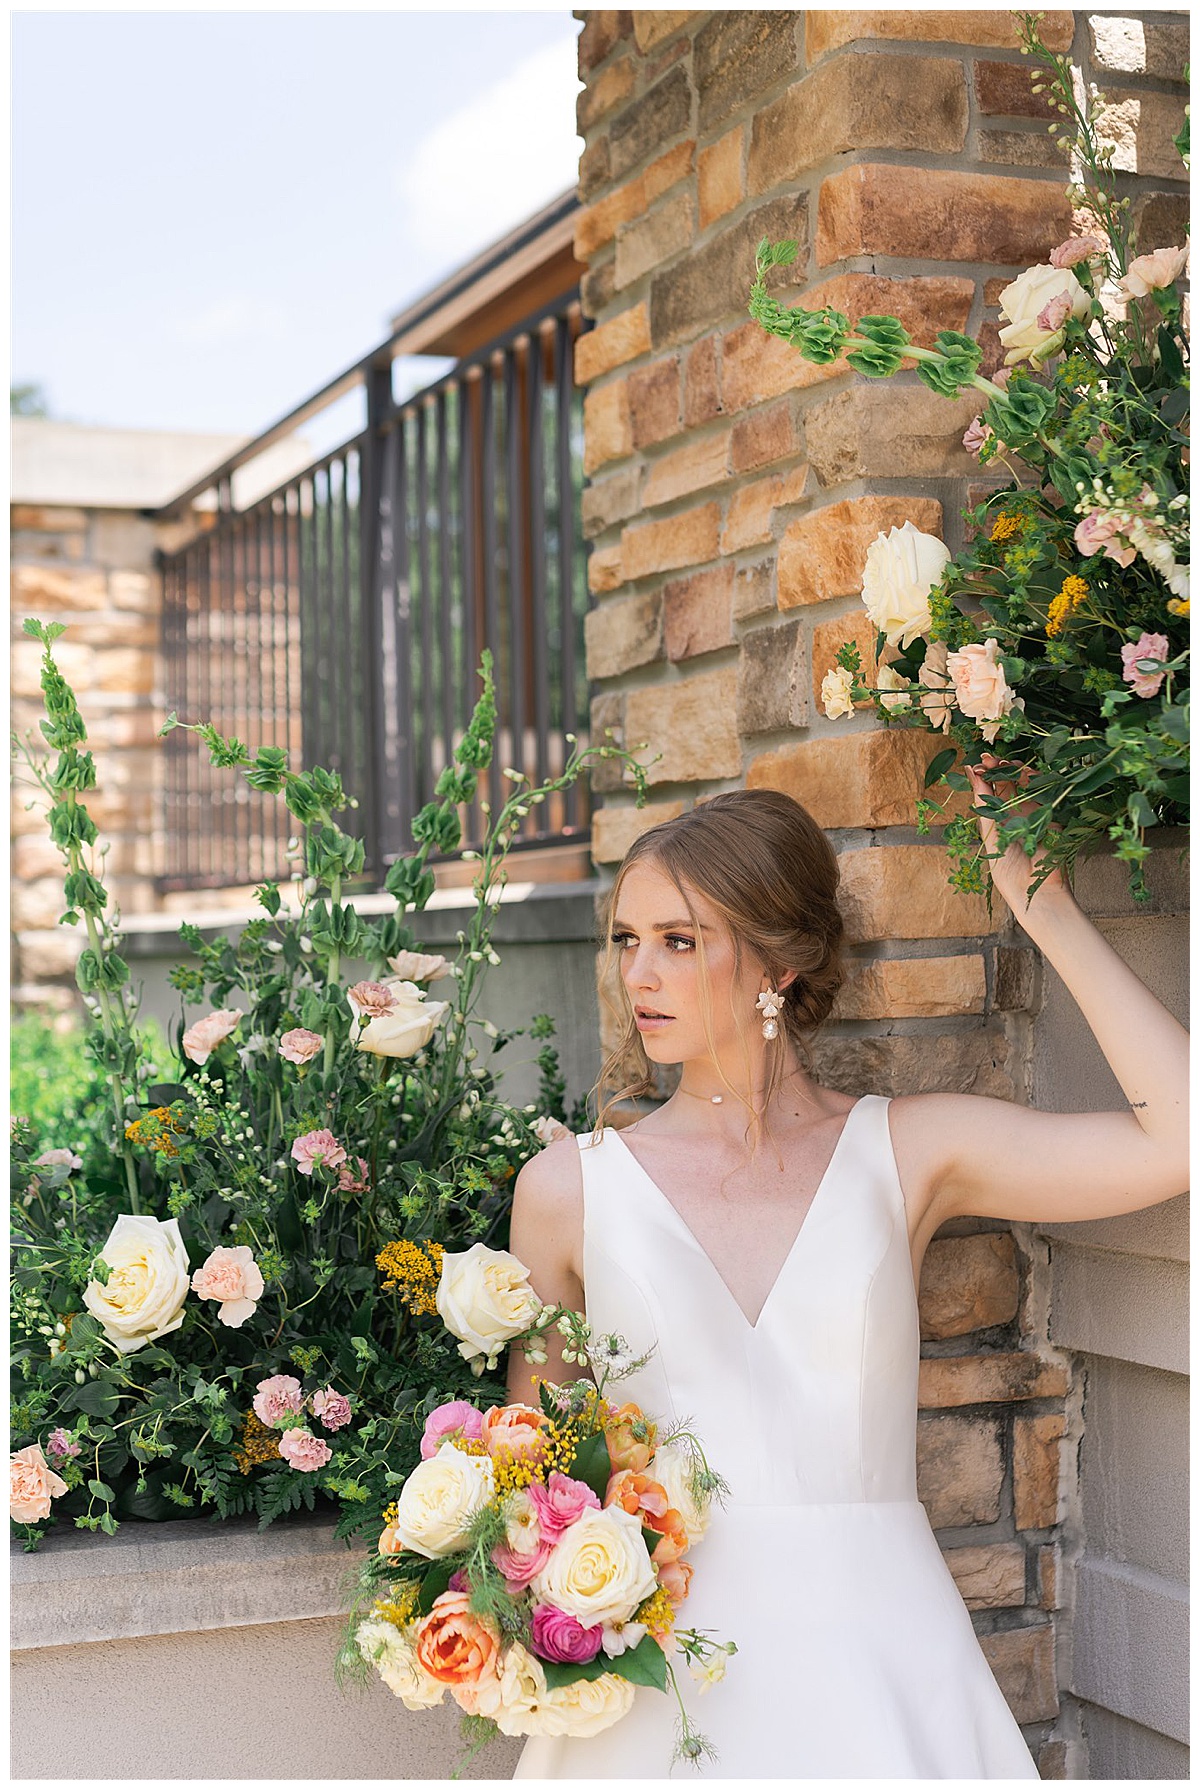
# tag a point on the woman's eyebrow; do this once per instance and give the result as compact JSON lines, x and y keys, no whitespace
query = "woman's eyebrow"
{"x":666,"y":926}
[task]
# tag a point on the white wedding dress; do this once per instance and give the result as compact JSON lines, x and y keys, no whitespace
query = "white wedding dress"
{"x":856,"y":1655}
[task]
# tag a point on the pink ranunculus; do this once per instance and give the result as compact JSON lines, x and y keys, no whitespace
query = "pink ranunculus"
{"x":561,"y":1502}
{"x":1150,"y":646}
{"x":276,"y":1398}
{"x":1075,"y":250}
{"x":300,"y":1045}
{"x":980,"y":686}
{"x":31,"y":1485}
{"x":520,"y":1565}
{"x":349,"y":1182}
{"x":557,"y":1636}
{"x":317,"y":1146}
{"x":1053,"y":315}
{"x":449,"y":1421}
{"x":333,"y":1408}
{"x":976,"y":435}
{"x":370,"y":1000}
{"x":232,"y":1277}
{"x":201,"y":1039}
{"x":1153,"y":272}
{"x":60,"y":1446}
{"x":304,"y":1451}
{"x":59,"y":1159}
{"x":1101,"y":530}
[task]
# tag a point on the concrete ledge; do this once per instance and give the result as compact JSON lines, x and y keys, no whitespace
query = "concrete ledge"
{"x":1128,"y":1307}
{"x":174,"y":1578}
{"x":1131,"y":1644}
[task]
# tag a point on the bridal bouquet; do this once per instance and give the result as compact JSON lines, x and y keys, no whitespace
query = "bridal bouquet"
{"x":532,"y":1564}
{"x":1052,"y":648}
{"x":209,"y":1309}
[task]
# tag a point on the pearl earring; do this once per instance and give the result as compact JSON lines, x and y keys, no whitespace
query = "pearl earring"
{"x":770,"y":1003}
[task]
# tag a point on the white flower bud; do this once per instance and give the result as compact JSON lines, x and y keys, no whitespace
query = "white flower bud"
{"x":80,"y":1376}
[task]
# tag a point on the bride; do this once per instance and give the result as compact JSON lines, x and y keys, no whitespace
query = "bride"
{"x":762,"y":1236}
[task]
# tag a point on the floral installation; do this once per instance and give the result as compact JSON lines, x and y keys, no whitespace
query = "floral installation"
{"x":1051,"y":650}
{"x":201,"y":1315}
{"x":532,"y":1563}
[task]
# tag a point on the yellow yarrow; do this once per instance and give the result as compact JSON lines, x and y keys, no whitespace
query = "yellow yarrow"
{"x":657,"y":1612}
{"x":259,"y":1444}
{"x":413,"y":1270}
{"x":400,"y":1609}
{"x":1179,"y":605}
{"x":1007,"y":524}
{"x":1074,"y":591}
{"x":155,"y":1131}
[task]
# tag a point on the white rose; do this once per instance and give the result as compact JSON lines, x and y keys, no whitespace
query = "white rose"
{"x":440,"y":1499}
{"x":407,"y":1028}
{"x":836,"y":686}
{"x":888,"y":679}
{"x":395,"y":1659}
{"x":147,"y":1282}
{"x":485,"y":1299}
{"x":901,"y":569}
{"x":672,"y":1468}
{"x":1023,"y":301}
{"x":587,"y":1706}
{"x":599,"y":1571}
{"x":513,"y":1699}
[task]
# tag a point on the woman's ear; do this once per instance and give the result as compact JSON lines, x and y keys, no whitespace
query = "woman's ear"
{"x":786,"y":981}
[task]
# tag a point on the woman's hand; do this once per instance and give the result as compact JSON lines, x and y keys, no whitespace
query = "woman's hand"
{"x":1013,"y":872}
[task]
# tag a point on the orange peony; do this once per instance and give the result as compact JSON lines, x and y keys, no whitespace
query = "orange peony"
{"x":630,"y":1438}
{"x":646,"y":1499}
{"x":516,"y":1432}
{"x":454,"y":1646}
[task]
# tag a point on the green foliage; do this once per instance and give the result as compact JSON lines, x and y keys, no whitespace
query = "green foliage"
{"x":1084,"y":552}
{"x":427,"y":1150}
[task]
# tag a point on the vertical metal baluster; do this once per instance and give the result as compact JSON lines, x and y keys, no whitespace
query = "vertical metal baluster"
{"x":305,"y":584}
{"x":271,"y":703}
{"x":515,"y":505}
{"x":445,"y":590}
{"x":348,"y":715}
{"x":332,"y":745}
{"x":537,"y":563}
{"x":468,"y":579}
{"x":564,"y":386}
{"x":491,"y":602}
{"x":404,"y":638}
{"x":425,"y":683}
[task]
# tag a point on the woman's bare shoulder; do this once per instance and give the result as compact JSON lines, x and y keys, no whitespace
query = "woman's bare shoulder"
{"x":547,"y":1215}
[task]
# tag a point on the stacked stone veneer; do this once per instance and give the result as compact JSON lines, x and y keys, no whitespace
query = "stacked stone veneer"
{"x":733,"y":491}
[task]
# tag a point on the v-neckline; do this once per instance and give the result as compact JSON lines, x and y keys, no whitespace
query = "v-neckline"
{"x":792,"y":1248}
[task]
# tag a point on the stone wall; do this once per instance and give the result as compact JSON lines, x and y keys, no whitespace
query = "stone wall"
{"x":733,"y":491}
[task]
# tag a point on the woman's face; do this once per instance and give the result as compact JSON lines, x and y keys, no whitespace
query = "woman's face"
{"x":655,"y":944}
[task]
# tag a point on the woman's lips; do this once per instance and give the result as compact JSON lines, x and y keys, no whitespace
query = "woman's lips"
{"x":647,"y":1023}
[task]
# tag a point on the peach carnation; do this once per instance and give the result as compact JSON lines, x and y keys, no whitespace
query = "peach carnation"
{"x":1153,"y":272}
{"x":304,"y":1451}
{"x":300,"y":1045}
{"x":314,"y":1147}
{"x":370,"y":1000}
{"x":31,"y":1485}
{"x":201,"y":1039}
{"x":233,"y":1279}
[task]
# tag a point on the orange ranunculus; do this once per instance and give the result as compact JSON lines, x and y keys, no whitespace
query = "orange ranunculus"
{"x":645,"y":1498}
{"x":676,"y":1579}
{"x":455,"y":1646}
{"x":630,"y":1438}
{"x":516,"y":1432}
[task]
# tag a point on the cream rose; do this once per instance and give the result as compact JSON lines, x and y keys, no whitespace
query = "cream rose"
{"x":408,"y":1025}
{"x":1153,"y":272}
{"x":514,"y":1699}
{"x":980,"y":687}
{"x":31,"y":1485}
{"x":600,"y":1571}
{"x":485,"y":1299}
{"x":672,"y":1468}
{"x":147,"y":1284}
{"x":395,"y":1659}
{"x":1023,"y":301}
{"x":587,"y":1706}
{"x":901,"y":569}
{"x":439,"y":1500}
{"x":836,"y":686}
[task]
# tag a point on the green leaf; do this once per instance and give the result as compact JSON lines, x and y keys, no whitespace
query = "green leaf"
{"x":939,"y":764}
{"x":591,"y":1464}
{"x":1172,"y":360}
{"x":651,"y":1537}
{"x":436,"y":1581}
{"x":97,"y":1397}
{"x":99,"y":1490}
{"x":644,"y":1664}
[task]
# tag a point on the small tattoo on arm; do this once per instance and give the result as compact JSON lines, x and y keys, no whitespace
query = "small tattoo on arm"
{"x":1134,"y":1104}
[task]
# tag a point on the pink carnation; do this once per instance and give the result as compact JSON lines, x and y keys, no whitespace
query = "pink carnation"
{"x":60,"y":1445}
{"x":557,"y":1636}
{"x":333,"y":1408}
{"x":277,"y":1398}
{"x":561,"y":1502}
{"x":314,"y":1146}
{"x":976,"y":435}
{"x":457,"y":1418}
{"x":1150,"y":646}
{"x":304,"y":1451}
{"x":201,"y":1039}
{"x":370,"y":1000}
{"x":300,"y":1046}
{"x":1053,"y":315}
{"x":59,"y":1159}
{"x":232,"y":1277}
{"x":349,"y":1182}
{"x":1101,"y":529}
{"x":1075,"y":250}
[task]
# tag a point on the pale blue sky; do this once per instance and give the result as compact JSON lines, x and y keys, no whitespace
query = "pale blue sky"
{"x":214,"y":213}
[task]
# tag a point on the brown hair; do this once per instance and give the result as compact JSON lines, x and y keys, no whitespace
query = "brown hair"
{"x":768,"y":869}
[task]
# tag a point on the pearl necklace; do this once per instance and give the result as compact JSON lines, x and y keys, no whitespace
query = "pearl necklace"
{"x":714,"y":1099}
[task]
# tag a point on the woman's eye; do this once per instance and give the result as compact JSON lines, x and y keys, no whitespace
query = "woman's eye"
{"x":677,"y":938}
{"x":673,"y":938}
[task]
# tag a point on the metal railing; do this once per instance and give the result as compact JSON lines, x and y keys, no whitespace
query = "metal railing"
{"x":343,"y":615}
